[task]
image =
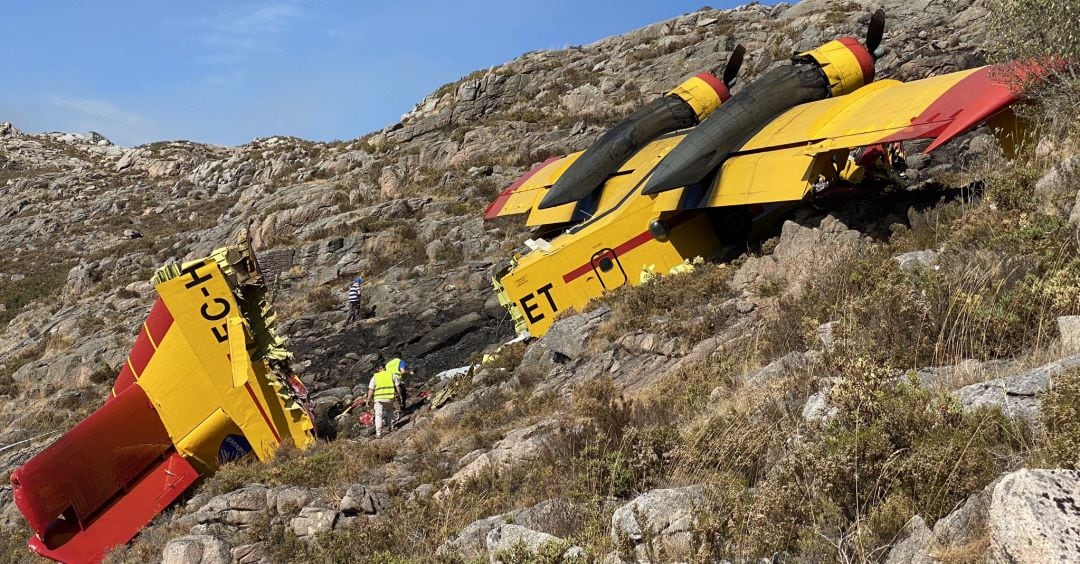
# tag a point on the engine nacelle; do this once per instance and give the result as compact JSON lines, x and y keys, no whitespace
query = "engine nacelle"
{"x":702,"y":92}
{"x":846,"y":63}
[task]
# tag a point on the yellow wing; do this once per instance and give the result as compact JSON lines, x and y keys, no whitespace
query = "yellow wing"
{"x":781,"y":161}
{"x":526,"y":192}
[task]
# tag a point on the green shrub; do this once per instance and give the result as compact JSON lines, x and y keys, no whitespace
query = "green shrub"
{"x":1061,"y":417}
{"x":894,"y":450}
{"x":548,"y":553}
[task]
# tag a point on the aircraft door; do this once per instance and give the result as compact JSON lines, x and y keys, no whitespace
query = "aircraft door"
{"x":608,"y":269}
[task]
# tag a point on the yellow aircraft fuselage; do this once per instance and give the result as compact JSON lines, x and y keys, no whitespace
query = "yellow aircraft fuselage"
{"x":607,"y":251}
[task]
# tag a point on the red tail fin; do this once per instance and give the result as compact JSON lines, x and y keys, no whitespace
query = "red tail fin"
{"x":96,"y":486}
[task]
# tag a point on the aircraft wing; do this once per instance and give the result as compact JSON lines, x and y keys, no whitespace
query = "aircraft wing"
{"x":205,"y":383}
{"x":525,"y":194}
{"x":782,"y":160}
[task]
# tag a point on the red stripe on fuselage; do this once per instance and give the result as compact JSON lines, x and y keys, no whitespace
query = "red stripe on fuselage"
{"x":866,"y":62}
{"x":632,"y":243}
{"x":123,"y":380}
{"x":255,"y":399}
{"x":629,"y":245}
{"x":141,"y":353}
{"x":157,"y":324}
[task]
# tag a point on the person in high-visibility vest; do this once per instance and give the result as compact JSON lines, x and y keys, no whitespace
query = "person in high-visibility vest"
{"x":385,"y":386}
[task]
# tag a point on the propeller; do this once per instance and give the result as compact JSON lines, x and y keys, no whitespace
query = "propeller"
{"x":874,"y":31}
{"x":731,"y":69}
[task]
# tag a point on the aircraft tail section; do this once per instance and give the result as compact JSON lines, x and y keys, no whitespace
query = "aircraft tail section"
{"x":207,"y":382}
{"x":96,"y":486}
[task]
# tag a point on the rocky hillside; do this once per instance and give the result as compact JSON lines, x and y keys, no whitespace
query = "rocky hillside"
{"x":888,"y":378}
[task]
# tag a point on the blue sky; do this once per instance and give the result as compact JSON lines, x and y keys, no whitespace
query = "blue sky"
{"x":227,"y":72}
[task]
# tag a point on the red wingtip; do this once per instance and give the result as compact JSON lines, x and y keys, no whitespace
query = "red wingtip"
{"x":986,"y":92}
{"x":496,"y":206}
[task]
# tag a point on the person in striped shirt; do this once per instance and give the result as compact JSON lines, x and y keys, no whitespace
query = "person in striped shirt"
{"x":354,"y":302}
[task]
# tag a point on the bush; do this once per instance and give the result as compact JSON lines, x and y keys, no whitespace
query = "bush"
{"x":1061,"y":417}
{"x":323,"y":299}
{"x":843,"y":489}
{"x":998,"y":284}
{"x":674,"y":303}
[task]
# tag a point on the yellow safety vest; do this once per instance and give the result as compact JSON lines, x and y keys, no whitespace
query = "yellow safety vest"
{"x":393,"y":365}
{"x":384,"y":386}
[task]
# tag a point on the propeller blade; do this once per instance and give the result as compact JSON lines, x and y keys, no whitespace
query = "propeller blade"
{"x":731,"y":69}
{"x":874,"y":32}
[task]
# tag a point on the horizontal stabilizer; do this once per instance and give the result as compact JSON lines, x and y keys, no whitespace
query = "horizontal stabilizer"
{"x":102,"y":461}
{"x":118,"y":523}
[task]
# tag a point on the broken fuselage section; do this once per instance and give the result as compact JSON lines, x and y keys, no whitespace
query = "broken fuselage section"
{"x":207,"y":382}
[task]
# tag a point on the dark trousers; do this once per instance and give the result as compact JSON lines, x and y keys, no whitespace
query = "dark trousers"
{"x":354,"y":312}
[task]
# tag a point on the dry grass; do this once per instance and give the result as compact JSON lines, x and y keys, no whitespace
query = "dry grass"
{"x":671,"y":303}
{"x":331,"y":465}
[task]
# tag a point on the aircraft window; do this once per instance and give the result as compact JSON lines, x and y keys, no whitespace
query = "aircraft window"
{"x":606,"y":264}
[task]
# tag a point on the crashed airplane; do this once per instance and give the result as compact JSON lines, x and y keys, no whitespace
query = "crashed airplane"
{"x":207,"y":382}
{"x":648,"y":197}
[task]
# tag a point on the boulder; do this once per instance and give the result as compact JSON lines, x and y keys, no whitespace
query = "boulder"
{"x":817,"y":408}
{"x":1055,"y":183}
{"x":196,"y":549}
{"x":915,"y":260}
{"x":666,"y":521}
{"x":549,"y":516}
{"x":506,"y":537}
{"x":445,"y":332}
{"x":1069,"y":330}
{"x":788,"y":364}
{"x":1023,"y":516}
{"x":242,"y":508}
{"x":519,"y":445}
{"x":802,"y":253}
{"x":471,"y":541}
{"x":1017,"y":396}
{"x":567,"y":336}
{"x":313,"y":521}
{"x":364,"y":499}
{"x":912,"y":547}
{"x":1035,"y":517}
{"x":1074,"y":215}
{"x":252,"y":553}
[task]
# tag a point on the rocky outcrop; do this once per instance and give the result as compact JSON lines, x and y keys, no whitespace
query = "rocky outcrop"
{"x":1069,"y":330}
{"x":1024,"y":516}
{"x":802,"y":253}
{"x":505,"y":538}
{"x":1034,"y":516}
{"x":915,"y":260}
{"x":911,"y":549}
{"x":657,"y":525}
{"x":1017,"y":396}
{"x":551,"y":517}
{"x":303,"y":512}
{"x":518,"y":446}
{"x":565,"y":338}
{"x":197,"y":549}
{"x":1057,"y":187}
